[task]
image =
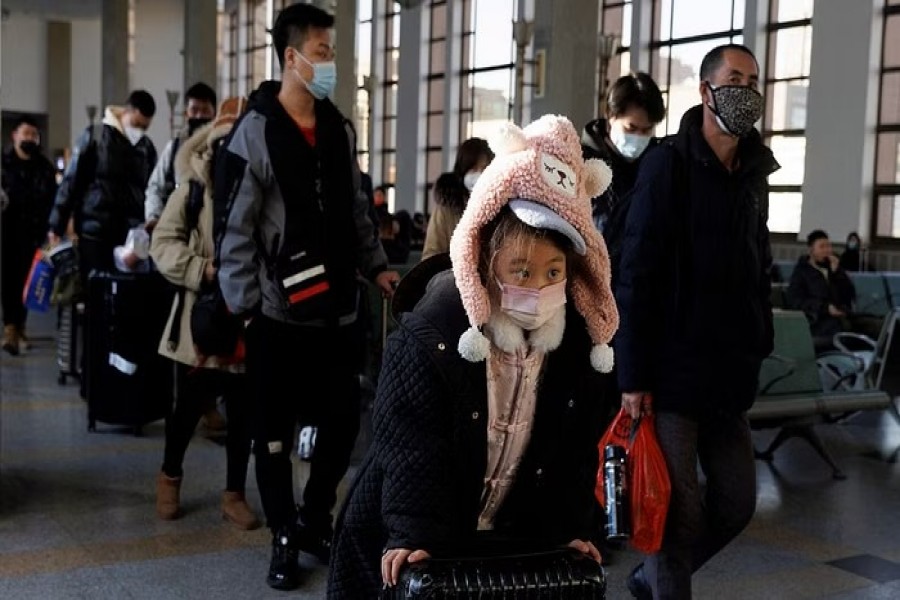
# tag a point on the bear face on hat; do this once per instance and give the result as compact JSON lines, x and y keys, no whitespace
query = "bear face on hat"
{"x":541,"y":163}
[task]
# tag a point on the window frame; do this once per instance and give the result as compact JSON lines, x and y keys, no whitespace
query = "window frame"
{"x":883,"y":189}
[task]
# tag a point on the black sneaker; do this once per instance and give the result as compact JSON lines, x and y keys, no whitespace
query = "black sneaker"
{"x":637,"y":584}
{"x":314,"y":541}
{"x":284,"y":570}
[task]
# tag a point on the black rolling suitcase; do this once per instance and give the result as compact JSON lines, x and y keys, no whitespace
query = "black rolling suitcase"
{"x":127,"y":381}
{"x":555,"y":575}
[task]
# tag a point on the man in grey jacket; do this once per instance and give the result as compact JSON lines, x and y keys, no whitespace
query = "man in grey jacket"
{"x":294,"y":233}
{"x":199,"y":109}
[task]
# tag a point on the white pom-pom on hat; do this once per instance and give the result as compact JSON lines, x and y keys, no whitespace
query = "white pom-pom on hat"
{"x":508,"y":139}
{"x":473,"y":345}
{"x":597,"y":177}
{"x":602,"y":358}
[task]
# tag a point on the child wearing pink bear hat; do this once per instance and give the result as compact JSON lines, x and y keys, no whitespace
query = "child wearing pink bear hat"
{"x":490,"y":399}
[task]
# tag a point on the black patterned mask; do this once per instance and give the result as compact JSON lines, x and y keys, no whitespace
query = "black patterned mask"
{"x":737,"y":108}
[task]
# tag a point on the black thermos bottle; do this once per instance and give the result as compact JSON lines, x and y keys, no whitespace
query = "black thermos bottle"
{"x":618,"y":523}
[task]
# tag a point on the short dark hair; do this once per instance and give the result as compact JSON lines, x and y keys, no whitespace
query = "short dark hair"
{"x":469,"y":153}
{"x":143,"y":102}
{"x":24,"y":120}
{"x":292,"y":24}
{"x":636,"y":89}
{"x":202,"y":92}
{"x":713,"y":59}
{"x":815,"y":235}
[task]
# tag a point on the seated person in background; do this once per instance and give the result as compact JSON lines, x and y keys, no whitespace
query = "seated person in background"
{"x":850,"y":259}
{"x":390,"y":230}
{"x":490,"y":439}
{"x":821,"y":289}
{"x":417,"y":235}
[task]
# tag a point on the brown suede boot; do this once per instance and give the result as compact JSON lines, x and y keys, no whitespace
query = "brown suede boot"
{"x":236,"y":510}
{"x":11,"y":339}
{"x":168,"y":490}
{"x":24,"y":342}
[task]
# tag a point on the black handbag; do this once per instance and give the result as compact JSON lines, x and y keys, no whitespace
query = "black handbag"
{"x":215,"y":331}
{"x":554,"y":575}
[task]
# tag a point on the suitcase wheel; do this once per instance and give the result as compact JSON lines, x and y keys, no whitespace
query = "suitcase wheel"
{"x":61,"y":379}
{"x":92,"y":425}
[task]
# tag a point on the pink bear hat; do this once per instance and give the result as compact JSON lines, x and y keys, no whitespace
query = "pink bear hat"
{"x":535,"y":169}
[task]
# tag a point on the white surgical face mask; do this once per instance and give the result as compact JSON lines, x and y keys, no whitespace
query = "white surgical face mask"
{"x":134,"y":134}
{"x":629,"y":145}
{"x":470,"y":179}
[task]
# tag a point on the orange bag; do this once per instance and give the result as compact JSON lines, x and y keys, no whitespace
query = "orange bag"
{"x":618,"y":433}
{"x":649,"y":488}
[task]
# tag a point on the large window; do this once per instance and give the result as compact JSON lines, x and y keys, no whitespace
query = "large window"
{"x":683,"y":32}
{"x":434,"y":126}
{"x":362,"y":109}
{"x":784,"y":128}
{"x":228,"y":54}
{"x":390,"y":20}
{"x":255,"y":19}
{"x":488,"y":52}
{"x":615,"y":19}
{"x":887,"y":153}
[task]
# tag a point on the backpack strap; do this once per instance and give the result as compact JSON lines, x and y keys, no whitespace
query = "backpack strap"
{"x":192,"y":208}
{"x":170,"y":171}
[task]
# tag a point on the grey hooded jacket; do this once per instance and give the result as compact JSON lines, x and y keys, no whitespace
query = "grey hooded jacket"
{"x":262,"y":163}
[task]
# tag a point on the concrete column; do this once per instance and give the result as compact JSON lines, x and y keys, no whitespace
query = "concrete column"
{"x":841,"y":114}
{"x":200,"y":33}
{"x":641,"y":34}
{"x":755,"y":36}
{"x":59,"y":86}
{"x":568,"y":33}
{"x":114,"y":66}
{"x":345,"y":42}
{"x":410,"y":134}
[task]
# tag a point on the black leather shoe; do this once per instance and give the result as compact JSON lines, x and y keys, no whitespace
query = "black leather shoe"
{"x":638,"y":585}
{"x":314,"y":541}
{"x":284,"y":570}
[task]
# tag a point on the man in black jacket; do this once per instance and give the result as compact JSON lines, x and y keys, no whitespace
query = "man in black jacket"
{"x":634,"y":108}
{"x":295,"y":230}
{"x":822,"y":290}
{"x":29,"y":182}
{"x":103,"y":188}
{"x":693,"y":294}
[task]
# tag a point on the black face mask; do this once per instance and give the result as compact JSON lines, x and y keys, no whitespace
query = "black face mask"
{"x":29,"y":147}
{"x":195,"y":124}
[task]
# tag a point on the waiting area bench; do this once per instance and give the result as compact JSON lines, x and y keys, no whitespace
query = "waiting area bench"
{"x":791,"y":395}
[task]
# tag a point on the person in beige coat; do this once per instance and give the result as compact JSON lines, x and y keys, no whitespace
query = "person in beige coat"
{"x":182,"y":248}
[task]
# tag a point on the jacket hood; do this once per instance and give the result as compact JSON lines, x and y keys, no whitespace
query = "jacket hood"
{"x":194,"y":155}
{"x":594,"y":136}
{"x":112,"y":116}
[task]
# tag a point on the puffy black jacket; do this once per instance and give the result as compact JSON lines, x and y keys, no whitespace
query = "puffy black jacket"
{"x":694,"y":283}
{"x":30,"y":186}
{"x":811,"y":291}
{"x":420,"y":485}
{"x":104,"y":185}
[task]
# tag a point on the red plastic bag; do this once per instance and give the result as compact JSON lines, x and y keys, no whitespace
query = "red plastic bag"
{"x":649,"y":488}
{"x":618,"y":433}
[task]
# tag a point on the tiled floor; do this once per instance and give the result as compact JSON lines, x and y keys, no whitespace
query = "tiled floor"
{"x":77,"y":517}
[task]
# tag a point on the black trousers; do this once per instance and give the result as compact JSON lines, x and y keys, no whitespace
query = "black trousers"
{"x":195,"y":388}
{"x":16,"y":262}
{"x":307,"y":375}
